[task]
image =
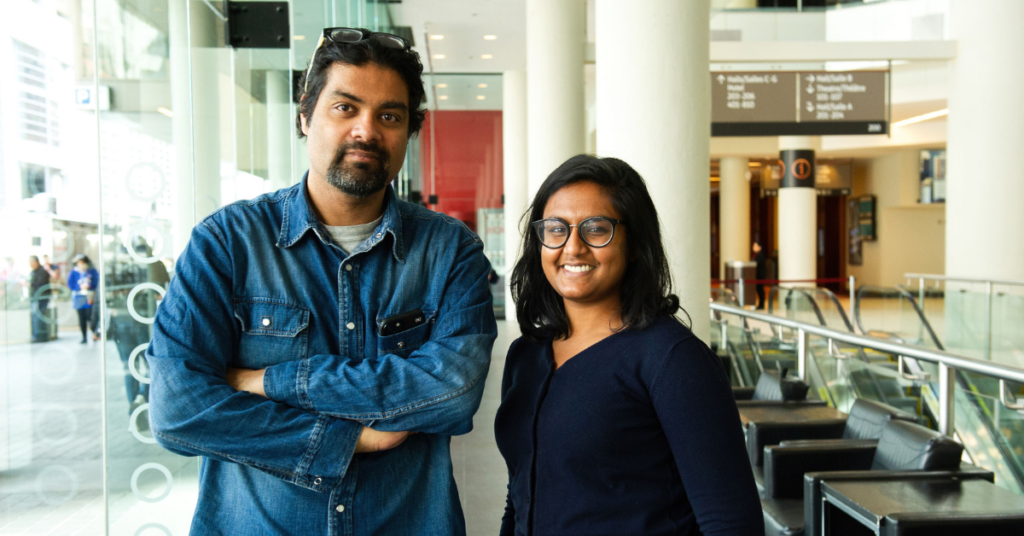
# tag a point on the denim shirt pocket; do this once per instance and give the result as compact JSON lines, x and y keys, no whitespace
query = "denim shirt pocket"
{"x":273,"y":331}
{"x":405,"y":342}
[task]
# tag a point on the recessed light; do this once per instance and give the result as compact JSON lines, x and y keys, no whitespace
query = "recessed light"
{"x":442,"y":97}
{"x":299,"y":38}
{"x":480,"y":97}
{"x":490,"y":37}
{"x":438,"y":56}
{"x":486,"y":56}
{"x":437,"y":37}
{"x":165,"y":111}
{"x":442,"y":85}
{"x":481,"y":85}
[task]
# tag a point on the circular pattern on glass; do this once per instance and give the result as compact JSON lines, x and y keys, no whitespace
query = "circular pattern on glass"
{"x":54,"y":358}
{"x":141,"y":173}
{"x":62,"y":234}
{"x":135,"y":292}
{"x":67,"y":428}
{"x":63,"y":294}
{"x":133,"y":425}
{"x":135,"y":482}
{"x":156,"y":526}
{"x":139,"y":230}
{"x":49,"y":476}
{"x":133,"y":368}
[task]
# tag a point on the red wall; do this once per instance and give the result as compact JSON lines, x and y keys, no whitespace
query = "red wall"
{"x":469,"y":170}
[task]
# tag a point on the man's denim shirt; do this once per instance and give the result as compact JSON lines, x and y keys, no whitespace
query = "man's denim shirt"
{"x":261,"y":285}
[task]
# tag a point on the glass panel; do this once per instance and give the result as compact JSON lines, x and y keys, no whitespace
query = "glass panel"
{"x":992,"y":434}
{"x":51,"y":426}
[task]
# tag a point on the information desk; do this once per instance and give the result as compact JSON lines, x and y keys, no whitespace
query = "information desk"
{"x":788,"y":413}
{"x":919,"y":507}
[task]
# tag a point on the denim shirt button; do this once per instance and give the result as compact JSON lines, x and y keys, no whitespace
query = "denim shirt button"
{"x":351,"y":325}
{"x":348,"y":267}
{"x":340,"y":508}
{"x":401,"y":345}
{"x":317,"y":481}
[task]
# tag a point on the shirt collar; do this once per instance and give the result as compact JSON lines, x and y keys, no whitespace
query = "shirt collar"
{"x":298,"y":219}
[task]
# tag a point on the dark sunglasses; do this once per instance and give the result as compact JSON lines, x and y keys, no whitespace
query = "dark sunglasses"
{"x":596,"y":232}
{"x":354,"y":35}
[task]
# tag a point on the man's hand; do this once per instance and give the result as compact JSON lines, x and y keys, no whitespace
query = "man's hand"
{"x":246,"y":380}
{"x":371,"y":440}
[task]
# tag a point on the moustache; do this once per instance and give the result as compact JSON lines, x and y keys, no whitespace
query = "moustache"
{"x":377,"y":151}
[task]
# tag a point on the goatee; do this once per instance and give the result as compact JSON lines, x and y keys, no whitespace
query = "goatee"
{"x":360,"y":179}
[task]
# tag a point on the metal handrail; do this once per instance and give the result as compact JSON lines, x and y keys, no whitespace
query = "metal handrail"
{"x":999,"y":371}
{"x":938,"y":277}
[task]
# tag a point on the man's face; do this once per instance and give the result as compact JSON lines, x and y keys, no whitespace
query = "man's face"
{"x":33,"y":263}
{"x":359,"y":128}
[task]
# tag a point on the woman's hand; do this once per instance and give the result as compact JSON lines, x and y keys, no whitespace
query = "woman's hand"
{"x":246,"y":380}
{"x":371,"y":440}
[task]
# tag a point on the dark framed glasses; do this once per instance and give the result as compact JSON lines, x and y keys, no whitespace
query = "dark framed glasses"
{"x":596,"y":232}
{"x":354,"y":35}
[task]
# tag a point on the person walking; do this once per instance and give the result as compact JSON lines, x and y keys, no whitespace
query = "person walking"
{"x":615,"y":418}
{"x":761,"y":272}
{"x":83,"y":282}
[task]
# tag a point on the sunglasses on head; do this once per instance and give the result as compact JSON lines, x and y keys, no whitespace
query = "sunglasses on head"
{"x":354,"y":35}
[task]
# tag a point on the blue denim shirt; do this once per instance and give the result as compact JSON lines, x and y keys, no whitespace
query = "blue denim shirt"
{"x":261,"y":285}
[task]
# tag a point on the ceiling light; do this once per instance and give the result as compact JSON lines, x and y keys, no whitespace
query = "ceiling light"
{"x":481,"y":85}
{"x":486,"y":56}
{"x":165,"y":111}
{"x":480,"y":97}
{"x":490,"y":37}
{"x":299,"y":38}
{"x":923,"y":117}
{"x":437,"y":37}
{"x":438,"y":56}
{"x":443,"y":97}
{"x":442,"y":85}
{"x":754,"y":164}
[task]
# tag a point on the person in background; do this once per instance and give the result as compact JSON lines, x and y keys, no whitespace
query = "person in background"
{"x":38,"y":278}
{"x":51,"y":268}
{"x":760,"y":273}
{"x":128,"y":334}
{"x":614,"y":417}
{"x":83,"y":282}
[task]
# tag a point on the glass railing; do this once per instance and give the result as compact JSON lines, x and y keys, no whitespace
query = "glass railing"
{"x":853,"y":366}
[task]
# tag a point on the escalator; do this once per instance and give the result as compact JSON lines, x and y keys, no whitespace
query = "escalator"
{"x":993,"y":435}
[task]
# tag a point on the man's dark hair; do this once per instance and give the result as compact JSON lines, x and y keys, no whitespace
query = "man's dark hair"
{"x":406,"y":64}
{"x":647,"y":284}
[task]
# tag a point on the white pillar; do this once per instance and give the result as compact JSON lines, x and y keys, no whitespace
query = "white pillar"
{"x":513,"y":136}
{"x":798,"y":222}
{"x":653,"y":111}
{"x":196,"y":146}
{"x":555,"y":52}
{"x":280,"y":129}
{"x":984,"y":192}
{"x":733,"y":210}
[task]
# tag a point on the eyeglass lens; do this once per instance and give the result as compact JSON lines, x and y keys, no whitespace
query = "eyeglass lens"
{"x":596,"y":232}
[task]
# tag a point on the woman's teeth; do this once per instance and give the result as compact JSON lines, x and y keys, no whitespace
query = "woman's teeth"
{"x":579,"y":269}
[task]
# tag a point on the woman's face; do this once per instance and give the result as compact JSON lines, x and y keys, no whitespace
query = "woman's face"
{"x":81,"y":266}
{"x":582,"y":274}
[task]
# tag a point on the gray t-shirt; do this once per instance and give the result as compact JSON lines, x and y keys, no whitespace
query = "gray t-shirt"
{"x":347,"y":237}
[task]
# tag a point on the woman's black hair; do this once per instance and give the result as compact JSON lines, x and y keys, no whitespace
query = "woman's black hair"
{"x":82,"y":257}
{"x":647,"y":284}
{"x":406,"y":63}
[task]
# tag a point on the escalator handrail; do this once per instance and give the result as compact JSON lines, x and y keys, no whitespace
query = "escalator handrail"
{"x":904,"y":293}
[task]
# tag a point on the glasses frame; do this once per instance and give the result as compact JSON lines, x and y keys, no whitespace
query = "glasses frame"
{"x":364,"y":35}
{"x":536,"y":225}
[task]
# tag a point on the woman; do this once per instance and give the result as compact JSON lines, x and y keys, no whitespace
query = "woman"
{"x":615,"y":419}
{"x":83,"y":282}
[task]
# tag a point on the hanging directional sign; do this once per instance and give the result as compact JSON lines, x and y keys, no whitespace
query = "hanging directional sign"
{"x":805,"y":103}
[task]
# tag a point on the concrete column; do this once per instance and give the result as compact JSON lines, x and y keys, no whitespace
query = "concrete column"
{"x":555,"y":52}
{"x":195,"y":125}
{"x":513,"y":136}
{"x":733,"y":210}
{"x":798,"y":213}
{"x":280,"y":130}
{"x":642,"y":119}
{"x":984,"y":191}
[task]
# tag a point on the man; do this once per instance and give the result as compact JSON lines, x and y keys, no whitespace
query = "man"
{"x":52,"y":269}
{"x":38,"y":278}
{"x":760,"y":273}
{"x":356,"y":327}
